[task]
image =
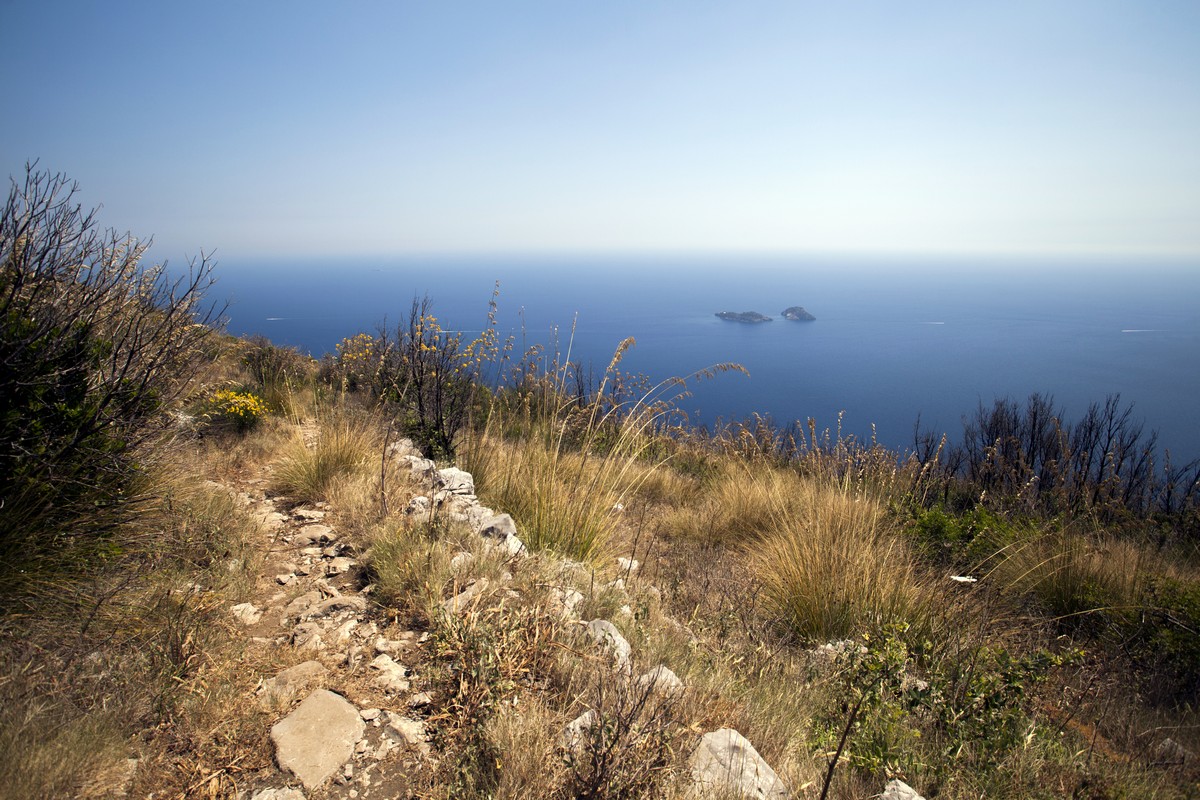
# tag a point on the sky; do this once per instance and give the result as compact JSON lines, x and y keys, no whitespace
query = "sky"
{"x":315,"y":128}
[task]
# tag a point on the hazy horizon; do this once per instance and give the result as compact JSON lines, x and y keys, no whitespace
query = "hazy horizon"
{"x":1068,"y":127}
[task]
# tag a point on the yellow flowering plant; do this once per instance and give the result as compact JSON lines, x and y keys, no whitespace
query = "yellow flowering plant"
{"x":239,"y":410}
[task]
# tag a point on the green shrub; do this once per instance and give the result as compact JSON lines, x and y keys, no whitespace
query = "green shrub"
{"x":965,"y":541}
{"x":93,"y":345}
{"x":1165,"y":638}
{"x":976,"y":707}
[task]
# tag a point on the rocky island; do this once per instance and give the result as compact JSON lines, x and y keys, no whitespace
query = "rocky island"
{"x":743,"y":316}
{"x":798,"y":314}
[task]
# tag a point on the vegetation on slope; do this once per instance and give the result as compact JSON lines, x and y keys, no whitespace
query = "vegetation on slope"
{"x":1014,"y":616}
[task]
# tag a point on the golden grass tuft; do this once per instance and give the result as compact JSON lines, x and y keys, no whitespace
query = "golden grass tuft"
{"x":739,"y":504}
{"x":832,"y":566}
{"x":344,"y":446}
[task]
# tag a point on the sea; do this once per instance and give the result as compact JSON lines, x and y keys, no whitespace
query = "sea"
{"x":897,"y":342}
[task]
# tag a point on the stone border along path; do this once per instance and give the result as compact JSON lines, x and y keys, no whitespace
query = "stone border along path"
{"x":310,"y":607}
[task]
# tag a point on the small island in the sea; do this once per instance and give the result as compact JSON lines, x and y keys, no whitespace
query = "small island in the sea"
{"x":798,"y":314}
{"x":743,"y":316}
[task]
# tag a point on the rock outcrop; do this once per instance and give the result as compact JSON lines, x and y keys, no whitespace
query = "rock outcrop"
{"x":797,"y":314}
{"x":743,"y":316}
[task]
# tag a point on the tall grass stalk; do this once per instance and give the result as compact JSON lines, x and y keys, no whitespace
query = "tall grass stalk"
{"x":561,"y":463}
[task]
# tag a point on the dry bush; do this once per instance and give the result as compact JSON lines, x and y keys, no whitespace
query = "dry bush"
{"x":630,"y":751}
{"x":95,"y":347}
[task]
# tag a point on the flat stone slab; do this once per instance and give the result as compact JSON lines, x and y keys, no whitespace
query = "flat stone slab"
{"x":316,"y":739}
{"x":314,"y":534}
{"x":726,"y":761}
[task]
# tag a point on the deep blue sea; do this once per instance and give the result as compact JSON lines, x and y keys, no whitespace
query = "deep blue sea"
{"x":894,"y":338}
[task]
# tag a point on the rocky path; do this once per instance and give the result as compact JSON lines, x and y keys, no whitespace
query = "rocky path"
{"x":350,"y":714}
{"x":349,"y":710}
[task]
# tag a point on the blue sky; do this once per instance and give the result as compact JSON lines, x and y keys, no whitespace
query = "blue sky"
{"x":285,"y":128}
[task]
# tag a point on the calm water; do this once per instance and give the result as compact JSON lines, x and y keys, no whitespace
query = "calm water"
{"x":893,"y":339}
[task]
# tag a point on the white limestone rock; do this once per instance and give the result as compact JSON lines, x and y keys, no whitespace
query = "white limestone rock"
{"x":461,"y":601}
{"x":409,"y":732}
{"x":498,"y":526}
{"x":391,"y":675}
{"x":607,"y":636}
{"x":316,"y":739}
{"x":456,"y":481}
{"x":246,"y":613}
{"x":899,"y":790}
{"x":313,"y":535}
{"x":565,"y":602}
{"x":281,"y":689}
{"x":726,"y":762}
{"x":278,"y":794}
{"x":661,"y":681}
{"x":577,"y":730}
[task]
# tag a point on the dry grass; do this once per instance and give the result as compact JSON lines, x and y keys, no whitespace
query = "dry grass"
{"x":832,"y":566}
{"x":527,"y":736}
{"x":1074,"y":574}
{"x":344,"y":446}
{"x":739,"y":504}
{"x":117,"y":651}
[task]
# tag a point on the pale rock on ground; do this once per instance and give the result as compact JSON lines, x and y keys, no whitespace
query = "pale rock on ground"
{"x":456,"y":481}
{"x":661,"y":681}
{"x":499,"y":526}
{"x":313,"y":534}
{"x":576,"y":731}
{"x":407,"y":731}
{"x":392,"y":676}
{"x":278,"y":794}
{"x":1172,"y":752}
{"x":460,"y":602}
{"x":899,"y":790}
{"x":246,"y":613}
{"x":316,"y":739}
{"x":565,"y":602}
{"x":726,"y":761}
{"x":608,"y":636}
